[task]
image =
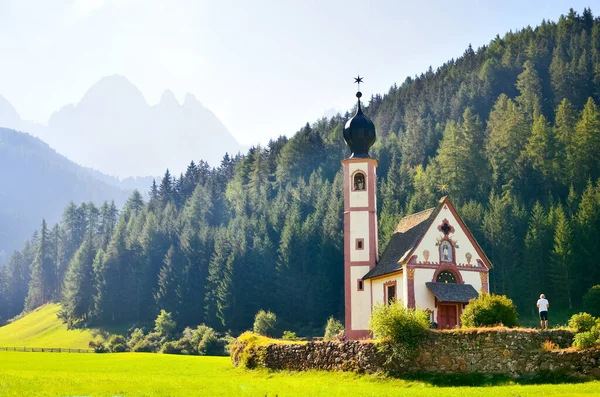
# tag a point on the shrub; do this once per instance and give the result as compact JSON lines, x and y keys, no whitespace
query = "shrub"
{"x":399,"y":324}
{"x":264,"y":323}
{"x":136,"y":336}
{"x":98,"y":347}
{"x":490,"y":310}
{"x":198,"y":334}
{"x":210,"y":345}
{"x":587,"y":339}
{"x":289,"y":335}
{"x":227,"y":342}
{"x":591,"y":300}
{"x":164,"y":324}
{"x":151,"y":343}
{"x":333,"y":329}
{"x":185,"y":346}
{"x":550,"y":346}
{"x":117,"y":344}
{"x":169,"y":348}
{"x":582,"y":322}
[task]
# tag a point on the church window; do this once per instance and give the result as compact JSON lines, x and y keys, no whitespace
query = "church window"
{"x":446,"y":277}
{"x":391,"y":293}
{"x":361,"y":285}
{"x":446,"y":251}
{"x":359,"y":181}
{"x":360,"y":243}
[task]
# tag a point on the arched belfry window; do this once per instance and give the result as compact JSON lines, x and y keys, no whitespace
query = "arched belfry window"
{"x":360,"y":182}
{"x":446,"y":277}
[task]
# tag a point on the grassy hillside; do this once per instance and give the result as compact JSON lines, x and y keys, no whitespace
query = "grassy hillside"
{"x":152,"y":375}
{"x":42,"y":328}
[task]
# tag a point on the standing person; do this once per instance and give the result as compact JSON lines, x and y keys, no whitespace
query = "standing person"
{"x":543,"y":306}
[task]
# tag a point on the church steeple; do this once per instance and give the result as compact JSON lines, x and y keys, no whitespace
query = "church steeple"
{"x":359,"y":131}
{"x":360,"y":221}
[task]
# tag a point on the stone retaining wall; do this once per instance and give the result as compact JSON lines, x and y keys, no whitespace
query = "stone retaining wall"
{"x":512,"y":352}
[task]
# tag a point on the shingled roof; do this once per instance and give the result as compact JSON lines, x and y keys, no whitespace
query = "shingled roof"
{"x":406,"y":236}
{"x":448,"y":292}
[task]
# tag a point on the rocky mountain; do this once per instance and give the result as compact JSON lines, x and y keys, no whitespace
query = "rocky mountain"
{"x":38,"y":182}
{"x":113,"y":129}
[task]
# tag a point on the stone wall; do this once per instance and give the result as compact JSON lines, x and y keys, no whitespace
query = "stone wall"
{"x":512,"y":352}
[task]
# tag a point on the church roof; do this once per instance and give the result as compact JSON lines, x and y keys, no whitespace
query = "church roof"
{"x":448,"y":292}
{"x":407,"y":236}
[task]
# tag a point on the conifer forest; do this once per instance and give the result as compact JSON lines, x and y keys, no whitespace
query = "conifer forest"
{"x":510,"y":131}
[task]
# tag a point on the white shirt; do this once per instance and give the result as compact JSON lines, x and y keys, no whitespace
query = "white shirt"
{"x":543,"y":305}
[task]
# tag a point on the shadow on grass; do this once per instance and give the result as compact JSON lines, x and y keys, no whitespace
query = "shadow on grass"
{"x":479,"y":380}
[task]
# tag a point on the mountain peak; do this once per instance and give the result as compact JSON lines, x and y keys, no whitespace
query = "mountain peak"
{"x":115,"y":89}
{"x":168,"y":99}
{"x":191,"y":101}
{"x":8,"y":114}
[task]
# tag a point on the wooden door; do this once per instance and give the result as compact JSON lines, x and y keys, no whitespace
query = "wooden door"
{"x":447,"y":316}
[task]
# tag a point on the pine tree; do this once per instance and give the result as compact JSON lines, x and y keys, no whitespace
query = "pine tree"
{"x":562,"y":261}
{"x":42,"y":285}
{"x":77,"y":300}
{"x":587,"y":141}
{"x":530,"y":87}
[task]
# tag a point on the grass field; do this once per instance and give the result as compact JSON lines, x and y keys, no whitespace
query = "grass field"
{"x":139,"y":374}
{"x":41,"y":328}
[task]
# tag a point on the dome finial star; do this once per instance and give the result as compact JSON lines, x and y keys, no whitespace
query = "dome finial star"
{"x":358,"y":80}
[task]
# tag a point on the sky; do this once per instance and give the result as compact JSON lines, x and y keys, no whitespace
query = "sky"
{"x":265,"y":68}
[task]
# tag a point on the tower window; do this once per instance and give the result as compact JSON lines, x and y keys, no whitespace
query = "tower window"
{"x":359,"y":181}
{"x":360,"y":243}
{"x":360,"y":285}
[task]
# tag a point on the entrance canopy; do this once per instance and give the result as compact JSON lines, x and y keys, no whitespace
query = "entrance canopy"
{"x":449,"y":292}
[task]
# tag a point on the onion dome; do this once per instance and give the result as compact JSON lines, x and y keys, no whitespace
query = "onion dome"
{"x":359,"y":131}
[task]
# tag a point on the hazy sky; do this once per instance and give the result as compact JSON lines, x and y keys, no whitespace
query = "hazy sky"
{"x":264,"y":67}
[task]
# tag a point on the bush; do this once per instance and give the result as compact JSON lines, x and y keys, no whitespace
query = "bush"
{"x":150,"y":344}
{"x":333,"y":329}
{"x":98,"y":347}
{"x":169,"y":348}
{"x":210,"y":345}
{"x":550,"y":346}
{"x":587,"y":339}
{"x":136,"y":336}
{"x":582,"y":322}
{"x":490,"y":310}
{"x":185,"y":346}
{"x":264,"y":323}
{"x":164,"y":324}
{"x":591,"y":301}
{"x":227,"y":341}
{"x":289,"y":335}
{"x":117,"y":344}
{"x":399,"y":324}
{"x":198,"y":334}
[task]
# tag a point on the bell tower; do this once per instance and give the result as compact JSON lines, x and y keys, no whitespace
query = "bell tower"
{"x":360,"y":221}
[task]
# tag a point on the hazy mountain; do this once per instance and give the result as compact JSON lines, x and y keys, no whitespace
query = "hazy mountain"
{"x":113,"y":129}
{"x":37,"y":182}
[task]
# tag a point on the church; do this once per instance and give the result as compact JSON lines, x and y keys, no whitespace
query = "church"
{"x":432,"y":262}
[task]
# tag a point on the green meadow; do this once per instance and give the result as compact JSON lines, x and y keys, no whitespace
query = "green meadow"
{"x":147,"y":374}
{"x":42,"y":328}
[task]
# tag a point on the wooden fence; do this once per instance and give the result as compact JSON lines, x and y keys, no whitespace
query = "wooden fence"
{"x":46,"y":349}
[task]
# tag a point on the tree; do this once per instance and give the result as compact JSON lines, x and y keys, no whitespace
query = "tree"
{"x":587,"y":141}
{"x":78,"y":294}
{"x":42,"y":286}
{"x":562,"y":261}
{"x":530,"y":86}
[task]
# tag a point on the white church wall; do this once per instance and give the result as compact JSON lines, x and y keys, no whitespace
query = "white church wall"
{"x":378,"y":286}
{"x":359,"y":228}
{"x":424,"y":299}
{"x":358,"y":198}
{"x":360,"y":300}
{"x":472,"y":278}
{"x":459,"y":236}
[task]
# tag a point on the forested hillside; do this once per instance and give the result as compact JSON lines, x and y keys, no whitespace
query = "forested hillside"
{"x":37,"y":182}
{"x":510,"y":131}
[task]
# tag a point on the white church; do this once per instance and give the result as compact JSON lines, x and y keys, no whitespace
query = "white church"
{"x":432,"y":262}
